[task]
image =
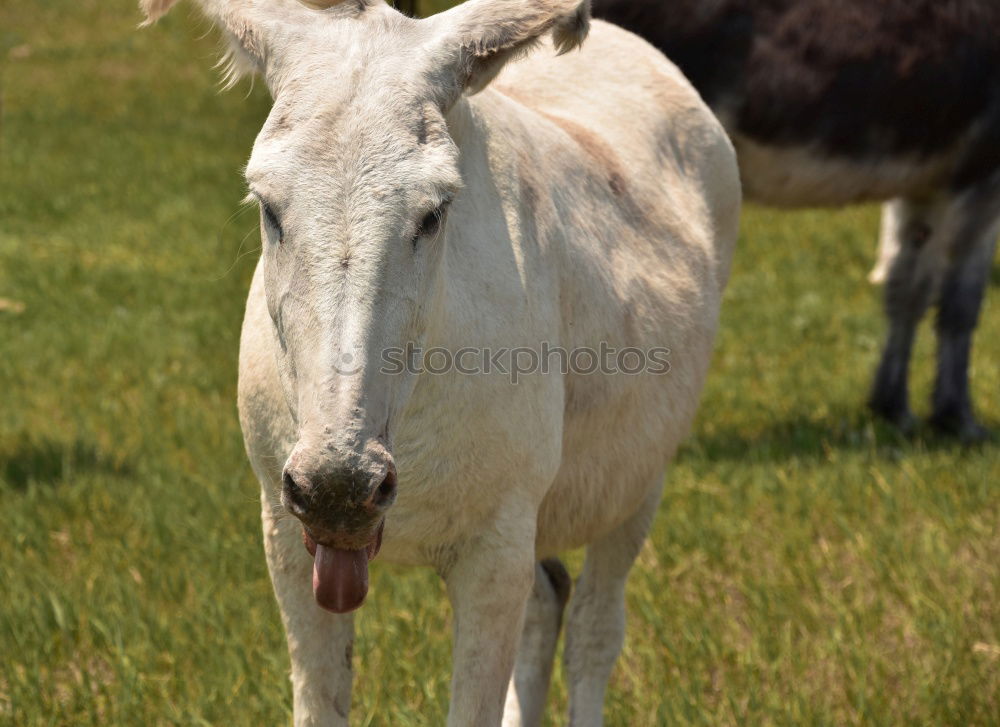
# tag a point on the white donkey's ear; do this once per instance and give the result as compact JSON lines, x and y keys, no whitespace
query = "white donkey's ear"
{"x":252,"y":27}
{"x":155,"y":9}
{"x":241,"y":23}
{"x":486,"y":34}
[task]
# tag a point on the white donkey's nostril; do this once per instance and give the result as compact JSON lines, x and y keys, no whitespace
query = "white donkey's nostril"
{"x":295,"y":498}
{"x":385,"y":494}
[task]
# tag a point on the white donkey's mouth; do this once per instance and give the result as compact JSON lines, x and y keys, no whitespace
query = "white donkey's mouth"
{"x":340,"y":575}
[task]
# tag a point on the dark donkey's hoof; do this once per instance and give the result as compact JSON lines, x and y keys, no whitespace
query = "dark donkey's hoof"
{"x":898,"y":416}
{"x":965,"y":428}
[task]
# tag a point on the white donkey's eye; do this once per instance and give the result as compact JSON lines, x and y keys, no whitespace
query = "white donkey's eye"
{"x":430,"y":224}
{"x":271,"y":221}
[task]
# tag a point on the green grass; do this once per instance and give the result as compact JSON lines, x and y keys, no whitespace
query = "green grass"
{"x":808,"y":567}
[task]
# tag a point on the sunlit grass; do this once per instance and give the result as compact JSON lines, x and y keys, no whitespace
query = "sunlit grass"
{"x":808,"y":566}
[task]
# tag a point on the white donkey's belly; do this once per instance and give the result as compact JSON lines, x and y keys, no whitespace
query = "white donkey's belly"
{"x":620,"y":432}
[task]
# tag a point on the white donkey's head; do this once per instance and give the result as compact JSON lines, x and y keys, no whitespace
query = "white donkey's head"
{"x":354,"y":170}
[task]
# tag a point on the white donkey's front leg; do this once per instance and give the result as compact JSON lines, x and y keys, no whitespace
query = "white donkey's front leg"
{"x":488,"y":585}
{"x":319,"y":642}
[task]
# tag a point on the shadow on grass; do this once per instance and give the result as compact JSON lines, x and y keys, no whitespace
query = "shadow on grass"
{"x":50,"y":462}
{"x":814,"y":438}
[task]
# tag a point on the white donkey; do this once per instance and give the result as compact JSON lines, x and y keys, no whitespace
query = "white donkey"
{"x":411,"y":195}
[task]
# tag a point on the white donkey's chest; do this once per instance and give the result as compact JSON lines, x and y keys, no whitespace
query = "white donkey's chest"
{"x":468,"y":446}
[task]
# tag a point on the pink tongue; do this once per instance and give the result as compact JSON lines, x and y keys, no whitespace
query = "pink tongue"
{"x":340,"y":578}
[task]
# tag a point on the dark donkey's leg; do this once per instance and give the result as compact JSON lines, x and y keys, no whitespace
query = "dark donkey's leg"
{"x":967,"y":272}
{"x":909,"y":289}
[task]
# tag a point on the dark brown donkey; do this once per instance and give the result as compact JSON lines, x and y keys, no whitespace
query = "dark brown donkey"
{"x":831,"y":102}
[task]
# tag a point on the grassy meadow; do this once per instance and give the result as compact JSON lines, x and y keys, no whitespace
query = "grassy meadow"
{"x":808,"y":566}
